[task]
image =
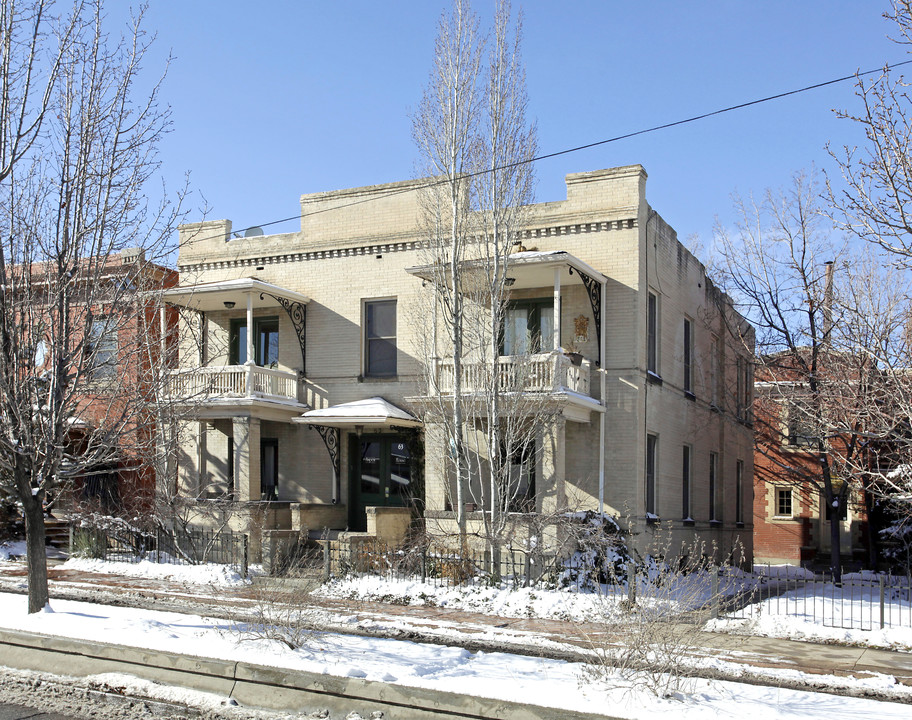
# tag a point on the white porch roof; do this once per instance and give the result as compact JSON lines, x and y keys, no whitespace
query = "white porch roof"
{"x":532,"y":268}
{"x":213,"y":296}
{"x":374,"y":412}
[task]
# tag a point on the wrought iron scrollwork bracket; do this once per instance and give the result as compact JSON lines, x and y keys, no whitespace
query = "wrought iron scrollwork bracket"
{"x":298,"y":313}
{"x":332,"y":438}
{"x":594,"y":290}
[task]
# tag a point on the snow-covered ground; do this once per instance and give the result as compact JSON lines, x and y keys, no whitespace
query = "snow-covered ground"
{"x":208,"y":574}
{"x":549,"y":683}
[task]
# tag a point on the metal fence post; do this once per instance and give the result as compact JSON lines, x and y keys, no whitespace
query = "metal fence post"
{"x":881,"y":582}
{"x":327,"y":561}
{"x":424,"y":564}
{"x":528,"y":570}
{"x":632,"y":588}
{"x":715,"y":592}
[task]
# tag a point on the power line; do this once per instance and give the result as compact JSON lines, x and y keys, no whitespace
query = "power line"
{"x":587,"y":146}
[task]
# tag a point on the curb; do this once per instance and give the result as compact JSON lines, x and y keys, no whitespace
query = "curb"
{"x":260,"y":685}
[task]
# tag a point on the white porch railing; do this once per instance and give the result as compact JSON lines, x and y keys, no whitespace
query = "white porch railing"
{"x":234,"y":381}
{"x":519,"y":373}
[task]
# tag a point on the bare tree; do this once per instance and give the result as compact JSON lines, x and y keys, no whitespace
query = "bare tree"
{"x":79,"y":239}
{"x":874,"y":202}
{"x":474,"y":135}
{"x":445,"y":127}
{"x":812,"y":408}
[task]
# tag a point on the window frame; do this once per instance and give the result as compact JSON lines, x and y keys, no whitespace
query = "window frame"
{"x":784,"y":493}
{"x":236,"y":347}
{"x":652,"y":334}
{"x":103,"y":348}
{"x":687,"y":482}
{"x":688,"y":357}
{"x":533,"y":325}
{"x":651,"y":474}
{"x":370,"y":340}
{"x":714,"y":487}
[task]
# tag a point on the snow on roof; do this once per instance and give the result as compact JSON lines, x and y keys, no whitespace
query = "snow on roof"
{"x":372,"y":411}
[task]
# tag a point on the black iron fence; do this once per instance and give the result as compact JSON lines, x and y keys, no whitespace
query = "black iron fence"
{"x":863,"y":601}
{"x":859,"y":601}
{"x":181,"y":546}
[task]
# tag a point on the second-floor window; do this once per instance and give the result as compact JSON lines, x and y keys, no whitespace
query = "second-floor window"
{"x":102,"y":348}
{"x":265,"y":342}
{"x":652,"y":334}
{"x":713,"y":488}
{"x":783,"y":502}
{"x":688,"y":356}
{"x":529,"y":327}
{"x":380,"y":338}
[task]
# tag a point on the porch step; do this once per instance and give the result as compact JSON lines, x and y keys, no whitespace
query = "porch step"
{"x":57,"y":533}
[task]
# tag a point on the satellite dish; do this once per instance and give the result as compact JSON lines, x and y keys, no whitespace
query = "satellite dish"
{"x":254,"y":232}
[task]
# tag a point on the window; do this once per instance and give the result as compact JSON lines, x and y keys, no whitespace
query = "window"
{"x":713,"y":471}
{"x":232,"y":480}
{"x":529,"y":327}
{"x":265,"y":342}
{"x":102,"y":348}
{"x":380,"y":338}
{"x":685,"y":483}
{"x":802,"y":427}
{"x":269,"y":468}
{"x":688,"y":356}
{"x":783,"y":502}
{"x":521,"y":474}
{"x":739,"y":491}
{"x":652,"y":334}
{"x":651,"y":445}
{"x":715,"y":368}
{"x":745,"y":378}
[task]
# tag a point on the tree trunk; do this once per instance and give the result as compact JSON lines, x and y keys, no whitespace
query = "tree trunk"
{"x":36,"y":556}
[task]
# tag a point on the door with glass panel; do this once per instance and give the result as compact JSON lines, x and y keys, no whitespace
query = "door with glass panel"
{"x":380,"y":475}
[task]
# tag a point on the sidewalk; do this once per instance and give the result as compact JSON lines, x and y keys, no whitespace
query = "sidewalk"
{"x":475,"y":631}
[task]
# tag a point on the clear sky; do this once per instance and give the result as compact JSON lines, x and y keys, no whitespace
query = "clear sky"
{"x":274,"y":99}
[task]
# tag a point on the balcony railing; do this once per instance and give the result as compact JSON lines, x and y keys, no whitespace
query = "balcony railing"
{"x":549,"y":372}
{"x":234,"y":381}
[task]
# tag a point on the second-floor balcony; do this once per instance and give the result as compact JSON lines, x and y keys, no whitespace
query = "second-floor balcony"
{"x":234,"y":382}
{"x":542,"y":373}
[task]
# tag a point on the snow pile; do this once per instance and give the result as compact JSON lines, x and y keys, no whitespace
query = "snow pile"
{"x":12,"y":549}
{"x":207,"y":574}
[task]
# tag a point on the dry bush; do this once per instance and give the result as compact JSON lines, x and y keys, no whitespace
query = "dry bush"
{"x":281,"y":611}
{"x":649,"y":632}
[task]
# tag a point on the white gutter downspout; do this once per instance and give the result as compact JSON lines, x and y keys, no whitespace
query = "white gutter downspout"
{"x":604,"y":386}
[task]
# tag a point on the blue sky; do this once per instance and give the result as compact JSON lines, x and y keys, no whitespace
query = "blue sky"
{"x":275,"y":99}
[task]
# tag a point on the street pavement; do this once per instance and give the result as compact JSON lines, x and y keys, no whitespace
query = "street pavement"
{"x":20,"y":712}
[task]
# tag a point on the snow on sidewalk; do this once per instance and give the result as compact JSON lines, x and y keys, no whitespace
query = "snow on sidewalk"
{"x":549,"y":683}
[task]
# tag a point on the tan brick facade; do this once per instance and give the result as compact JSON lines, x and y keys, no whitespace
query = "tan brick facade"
{"x":354,"y":247}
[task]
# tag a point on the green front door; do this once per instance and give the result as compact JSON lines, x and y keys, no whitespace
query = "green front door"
{"x":380,"y":474}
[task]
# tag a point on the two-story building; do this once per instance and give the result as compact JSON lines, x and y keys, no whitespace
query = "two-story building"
{"x":304,"y":370}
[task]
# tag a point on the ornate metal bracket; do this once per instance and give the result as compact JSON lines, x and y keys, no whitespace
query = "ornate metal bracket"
{"x":594,"y":290}
{"x":297,"y":312}
{"x":332,"y":437}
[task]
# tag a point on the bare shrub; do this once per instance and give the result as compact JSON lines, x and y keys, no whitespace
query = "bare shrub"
{"x":281,"y":611}
{"x":650,"y":622}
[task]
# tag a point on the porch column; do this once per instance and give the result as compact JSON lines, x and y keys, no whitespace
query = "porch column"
{"x":550,"y":491}
{"x":246,"y":433}
{"x":557,"y":307}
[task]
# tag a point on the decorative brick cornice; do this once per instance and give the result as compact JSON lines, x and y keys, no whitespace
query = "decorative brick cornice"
{"x":397,"y":246}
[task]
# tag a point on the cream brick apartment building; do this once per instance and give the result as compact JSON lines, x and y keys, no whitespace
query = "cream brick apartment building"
{"x":320,"y":429}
